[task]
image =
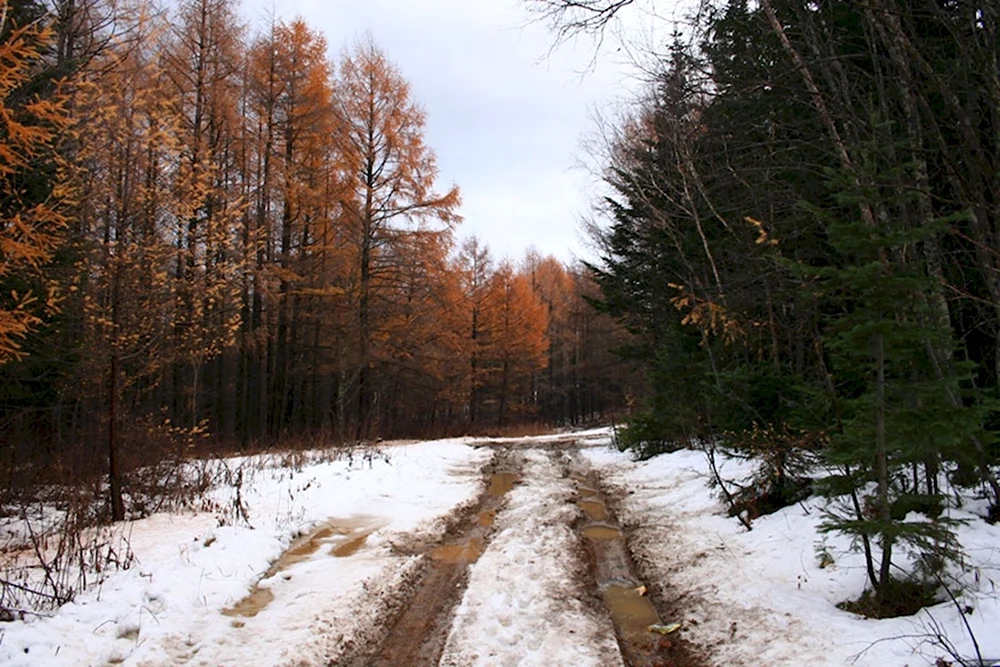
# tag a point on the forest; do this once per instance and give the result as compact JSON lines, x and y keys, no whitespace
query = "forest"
{"x":214,"y":239}
{"x":804,"y":237}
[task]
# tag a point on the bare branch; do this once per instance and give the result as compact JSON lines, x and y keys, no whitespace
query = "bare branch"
{"x":569,"y":18}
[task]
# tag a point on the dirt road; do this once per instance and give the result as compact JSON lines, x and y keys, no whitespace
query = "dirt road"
{"x":537,"y":571}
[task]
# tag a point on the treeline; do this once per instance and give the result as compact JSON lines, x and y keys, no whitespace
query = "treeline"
{"x":213,"y":235}
{"x":805,"y":238}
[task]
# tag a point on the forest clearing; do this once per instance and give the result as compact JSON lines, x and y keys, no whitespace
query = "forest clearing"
{"x":240,"y":319}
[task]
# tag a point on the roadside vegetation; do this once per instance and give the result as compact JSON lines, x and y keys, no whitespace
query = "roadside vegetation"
{"x":801,"y":236}
{"x":215,"y":239}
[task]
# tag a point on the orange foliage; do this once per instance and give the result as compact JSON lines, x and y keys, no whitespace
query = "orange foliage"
{"x":394,"y":172}
{"x":706,"y":315}
{"x":520,"y":338}
{"x":29,"y":231}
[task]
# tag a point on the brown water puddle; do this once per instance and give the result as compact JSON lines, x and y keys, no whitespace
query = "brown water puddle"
{"x":301,"y":549}
{"x":463,"y":552}
{"x":350,"y":546}
{"x":251,"y":605}
{"x":417,"y":636}
{"x":501,"y":483}
{"x":631,"y":612}
{"x":601,"y":532}
{"x":471,"y":548}
{"x":594,"y":509}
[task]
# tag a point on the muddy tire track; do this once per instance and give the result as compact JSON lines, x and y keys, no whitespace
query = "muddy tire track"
{"x":416,"y":632}
{"x":416,"y":618}
{"x":635,"y":603}
{"x":529,"y":599}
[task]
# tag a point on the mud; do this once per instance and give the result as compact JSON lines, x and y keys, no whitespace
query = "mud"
{"x":594,"y":509}
{"x":601,"y":532}
{"x":418,"y":633}
{"x":468,"y":551}
{"x":349,"y":535}
{"x":350,"y":547}
{"x":631,"y":610}
{"x":501,"y":483}
{"x":251,"y":605}
{"x":620,"y":585}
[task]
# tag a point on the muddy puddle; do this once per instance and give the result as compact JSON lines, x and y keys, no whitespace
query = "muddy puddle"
{"x":345,"y":537}
{"x":251,"y":605}
{"x":601,"y":532}
{"x":594,"y":509}
{"x":636,"y":620}
{"x":469,"y":547}
{"x":418,"y":634}
{"x":350,"y":546}
{"x":501,"y":483}
{"x":631,"y":610}
{"x":468,"y":551}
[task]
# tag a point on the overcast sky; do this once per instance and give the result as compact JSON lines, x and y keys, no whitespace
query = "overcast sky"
{"x":505,"y":116}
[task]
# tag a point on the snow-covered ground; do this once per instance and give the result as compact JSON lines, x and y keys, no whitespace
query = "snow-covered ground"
{"x":524,"y":603}
{"x":167,"y":609}
{"x":747,"y":598}
{"x":761,"y":597}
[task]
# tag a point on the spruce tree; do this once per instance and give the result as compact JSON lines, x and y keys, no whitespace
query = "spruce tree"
{"x":891,"y":402}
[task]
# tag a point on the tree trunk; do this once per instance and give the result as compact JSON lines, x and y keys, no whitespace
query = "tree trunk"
{"x":114,"y":472}
{"x":882,"y":468}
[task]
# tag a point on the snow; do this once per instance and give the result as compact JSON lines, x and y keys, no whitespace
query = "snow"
{"x":745,"y":598}
{"x":524,"y":604}
{"x":167,"y":608}
{"x":761,"y":597}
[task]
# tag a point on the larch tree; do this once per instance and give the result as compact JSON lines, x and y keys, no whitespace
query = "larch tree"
{"x":305,"y":124}
{"x":35,"y":209}
{"x":201,"y":60}
{"x":475,"y":267}
{"x":423,"y":338}
{"x":127,"y":136}
{"x":32,"y":211}
{"x":393,"y":176}
{"x":598,"y":384}
{"x":553,"y":286}
{"x":262,"y":90}
{"x":520,"y":344}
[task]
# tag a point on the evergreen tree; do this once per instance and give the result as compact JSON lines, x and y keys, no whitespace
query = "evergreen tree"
{"x":892,"y":405}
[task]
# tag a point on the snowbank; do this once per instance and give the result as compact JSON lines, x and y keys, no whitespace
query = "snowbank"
{"x":168,"y":608}
{"x":762,"y":597}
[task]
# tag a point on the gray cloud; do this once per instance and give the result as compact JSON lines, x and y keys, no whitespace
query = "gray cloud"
{"x":504,"y":115}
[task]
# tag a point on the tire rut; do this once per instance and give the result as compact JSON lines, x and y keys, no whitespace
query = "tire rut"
{"x":637,"y":616}
{"x":417,"y":634}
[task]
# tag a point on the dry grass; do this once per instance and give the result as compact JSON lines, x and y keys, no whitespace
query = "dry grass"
{"x":515,"y":431}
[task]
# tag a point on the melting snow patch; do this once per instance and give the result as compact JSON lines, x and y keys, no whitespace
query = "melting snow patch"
{"x":524,"y":605}
{"x":168,"y":608}
{"x":769,"y":596}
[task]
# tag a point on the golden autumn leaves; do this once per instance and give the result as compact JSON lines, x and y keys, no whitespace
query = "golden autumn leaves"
{"x":258,"y":244}
{"x":30,"y":127}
